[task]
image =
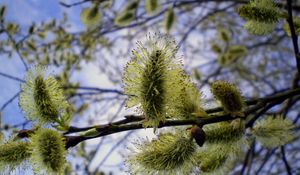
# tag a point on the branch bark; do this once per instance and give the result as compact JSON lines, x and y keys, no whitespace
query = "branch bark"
{"x":134,"y":122}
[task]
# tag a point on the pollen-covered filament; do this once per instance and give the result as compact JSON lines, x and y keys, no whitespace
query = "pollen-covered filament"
{"x":43,"y":100}
{"x":153,"y":85}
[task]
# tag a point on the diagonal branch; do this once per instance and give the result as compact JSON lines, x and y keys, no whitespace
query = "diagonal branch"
{"x":134,"y":122}
{"x":293,"y":33}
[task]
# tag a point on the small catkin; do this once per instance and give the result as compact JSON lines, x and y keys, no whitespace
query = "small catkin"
{"x":48,"y":151}
{"x":272,"y":132}
{"x":261,"y":15}
{"x":187,"y":103}
{"x":12,"y":155}
{"x":216,"y":158}
{"x":224,"y":132}
{"x":169,"y":154}
{"x":42,"y":98}
{"x":229,"y":96}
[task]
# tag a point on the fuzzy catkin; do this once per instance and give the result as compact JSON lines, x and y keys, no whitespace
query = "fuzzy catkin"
{"x":168,"y":154}
{"x":150,"y":78}
{"x":42,"y":98}
{"x":48,"y":151}
{"x":272,"y":132}
{"x":12,"y":155}
{"x":229,"y":96}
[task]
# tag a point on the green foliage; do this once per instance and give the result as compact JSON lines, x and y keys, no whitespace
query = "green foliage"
{"x":91,"y":16}
{"x":275,"y":131}
{"x":224,"y":34}
{"x":238,"y":50}
{"x":48,"y":151}
{"x":168,"y":154}
{"x":216,"y":48}
{"x":229,"y":96}
{"x":12,"y":155}
{"x":170,"y":19}
{"x":233,"y":54}
{"x":228,"y":53}
{"x":133,"y":5}
{"x":125,"y":18}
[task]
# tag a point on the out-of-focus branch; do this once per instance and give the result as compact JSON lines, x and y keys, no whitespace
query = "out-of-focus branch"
{"x":293,"y":33}
{"x":287,"y":166}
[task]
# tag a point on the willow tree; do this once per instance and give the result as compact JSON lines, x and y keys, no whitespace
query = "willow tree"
{"x":220,"y":77}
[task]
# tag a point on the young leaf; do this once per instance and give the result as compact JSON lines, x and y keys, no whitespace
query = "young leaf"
{"x":132,"y":6}
{"x":224,"y":34}
{"x":169,"y":19}
{"x":125,"y":18}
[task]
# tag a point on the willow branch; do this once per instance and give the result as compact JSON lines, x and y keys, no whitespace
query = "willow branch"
{"x":134,"y":122}
{"x":293,"y":33}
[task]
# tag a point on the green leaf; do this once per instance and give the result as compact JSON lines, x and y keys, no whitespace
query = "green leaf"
{"x":2,"y":11}
{"x":216,"y":48}
{"x":224,"y":34}
{"x":31,"y":45}
{"x":169,"y":19}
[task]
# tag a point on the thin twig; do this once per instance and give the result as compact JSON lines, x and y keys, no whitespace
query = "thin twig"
{"x":293,"y":33}
{"x":287,"y":166}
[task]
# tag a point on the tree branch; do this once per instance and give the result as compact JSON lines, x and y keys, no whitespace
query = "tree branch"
{"x":293,"y":33}
{"x":287,"y":166}
{"x":134,"y":122}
